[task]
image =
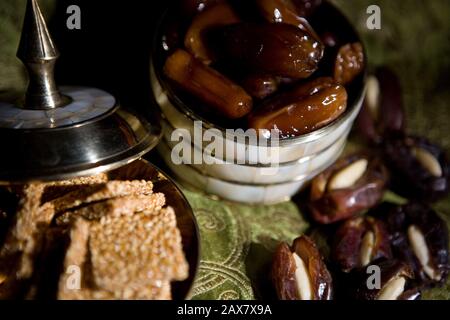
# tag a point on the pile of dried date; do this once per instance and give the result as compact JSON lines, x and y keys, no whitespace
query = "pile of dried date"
{"x":259,"y":64}
{"x":405,"y":246}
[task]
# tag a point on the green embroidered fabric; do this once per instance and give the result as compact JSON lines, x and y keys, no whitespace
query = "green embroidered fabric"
{"x":238,"y":240}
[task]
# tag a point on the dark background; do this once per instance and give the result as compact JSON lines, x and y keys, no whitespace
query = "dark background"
{"x":112,"y":49}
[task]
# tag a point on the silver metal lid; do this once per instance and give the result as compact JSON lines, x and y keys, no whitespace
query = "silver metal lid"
{"x":57,"y":133}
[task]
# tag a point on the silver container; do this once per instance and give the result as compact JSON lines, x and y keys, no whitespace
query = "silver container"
{"x":55,"y":133}
{"x":242,"y":176}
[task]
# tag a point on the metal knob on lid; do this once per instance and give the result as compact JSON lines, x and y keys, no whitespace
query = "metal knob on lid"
{"x":39,"y":54}
{"x":57,"y":133}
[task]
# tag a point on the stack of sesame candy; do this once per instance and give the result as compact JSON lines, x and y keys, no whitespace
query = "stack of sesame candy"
{"x":121,"y":242}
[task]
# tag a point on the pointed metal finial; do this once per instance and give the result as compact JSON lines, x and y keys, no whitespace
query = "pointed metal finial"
{"x":39,"y":54}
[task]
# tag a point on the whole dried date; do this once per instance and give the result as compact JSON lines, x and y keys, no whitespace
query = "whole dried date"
{"x":171,"y":38}
{"x":351,"y":185}
{"x":191,"y":7}
{"x":220,"y":93}
{"x":382,"y":114}
{"x":396,"y":282}
{"x":279,"y":11}
{"x":260,"y":86}
{"x":277,"y":49}
{"x":299,"y":273}
{"x":359,"y":241}
{"x":349,"y":63}
{"x":329,"y":39}
{"x":420,"y":238}
{"x":307,"y":7}
{"x":284,"y":11}
{"x":220,"y":14}
{"x":420,"y":169}
{"x":306,"y":108}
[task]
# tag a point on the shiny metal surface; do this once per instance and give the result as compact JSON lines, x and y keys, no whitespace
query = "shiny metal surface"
{"x":56,"y":137}
{"x":103,"y":144}
{"x":86,"y":104}
{"x":38,"y":53}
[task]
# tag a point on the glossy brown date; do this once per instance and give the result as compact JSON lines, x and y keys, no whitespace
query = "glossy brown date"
{"x":277,"y":49}
{"x":329,"y":39}
{"x":349,"y":63}
{"x":307,"y":7}
{"x":419,"y":168}
{"x":260,"y":86}
{"x":217,"y":15}
{"x":382,"y":114}
{"x":396,"y":282}
{"x":284,"y":11}
{"x":352,"y":185}
{"x":306,"y":108}
{"x":359,"y":241}
{"x":299,"y":273}
{"x":220,"y":93}
{"x":420,"y":238}
{"x":278,"y":11}
{"x":192,"y":7}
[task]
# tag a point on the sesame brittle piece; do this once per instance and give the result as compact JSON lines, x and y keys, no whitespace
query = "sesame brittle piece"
{"x":159,"y":290}
{"x":94,"y":193}
{"x":27,"y":218}
{"x":47,"y":264}
{"x":74,"y":262}
{"x":149,"y":292}
{"x":97,"y":179}
{"x":57,"y":189}
{"x":23,"y":238}
{"x":73,"y":288}
{"x":132,"y":251}
{"x":127,"y":205}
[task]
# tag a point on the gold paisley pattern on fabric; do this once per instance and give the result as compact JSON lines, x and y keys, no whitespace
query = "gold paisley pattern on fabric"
{"x":229,"y":295}
{"x":224,"y":271}
{"x":209,"y":221}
